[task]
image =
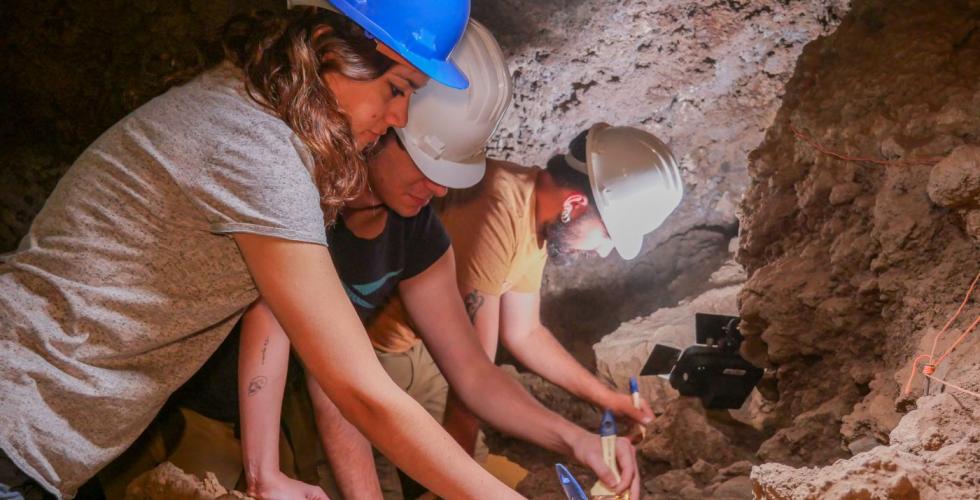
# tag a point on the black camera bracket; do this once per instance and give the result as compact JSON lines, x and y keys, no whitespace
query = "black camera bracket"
{"x":712,"y":370}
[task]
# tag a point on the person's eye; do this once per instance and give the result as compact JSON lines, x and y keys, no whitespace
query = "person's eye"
{"x":395,"y":90}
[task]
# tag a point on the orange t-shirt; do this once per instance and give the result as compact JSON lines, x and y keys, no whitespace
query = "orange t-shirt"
{"x":493,"y":233}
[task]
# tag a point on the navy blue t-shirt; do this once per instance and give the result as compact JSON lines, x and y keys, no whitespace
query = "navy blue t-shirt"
{"x":370,"y":270}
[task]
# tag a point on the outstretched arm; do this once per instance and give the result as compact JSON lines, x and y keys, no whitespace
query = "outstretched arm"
{"x":434,"y":303}
{"x":263,"y":362}
{"x":484,"y":313}
{"x":301,"y":287}
{"x":348,"y":452}
{"x":536,"y":347}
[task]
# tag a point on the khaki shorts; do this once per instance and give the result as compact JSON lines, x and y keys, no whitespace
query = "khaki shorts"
{"x":417,"y":374}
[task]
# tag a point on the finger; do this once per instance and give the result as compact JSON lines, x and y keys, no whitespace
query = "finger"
{"x":603,"y":472}
{"x":647,"y":411}
{"x":316,"y":493}
{"x":626,"y":459}
{"x":642,"y":415}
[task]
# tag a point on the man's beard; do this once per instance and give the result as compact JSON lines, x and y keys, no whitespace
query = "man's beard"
{"x":559,"y":251}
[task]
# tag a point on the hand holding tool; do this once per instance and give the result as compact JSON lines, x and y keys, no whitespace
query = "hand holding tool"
{"x":638,"y":404}
{"x":607,"y":433}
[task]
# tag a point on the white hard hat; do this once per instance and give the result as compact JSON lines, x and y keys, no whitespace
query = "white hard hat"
{"x":635,"y":181}
{"x":448,"y":129}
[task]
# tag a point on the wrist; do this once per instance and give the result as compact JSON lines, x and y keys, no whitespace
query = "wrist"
{"x":572,"y":440}
{"x":259,"y":474}
{"x":604,"y":397}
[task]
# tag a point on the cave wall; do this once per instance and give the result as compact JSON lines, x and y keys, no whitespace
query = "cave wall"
{"x":705,"y":77}
{"x":69,"y":70}
{"x":855,"y":266}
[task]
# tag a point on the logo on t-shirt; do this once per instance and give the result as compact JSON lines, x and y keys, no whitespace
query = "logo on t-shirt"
{"x":361,"y":294}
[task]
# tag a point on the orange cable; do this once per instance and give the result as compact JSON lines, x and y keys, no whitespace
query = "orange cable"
{"x":877,"y":161}
{"x":929,"y":368}
{"x":966,"y":299}
{"x":915,"y":363}
{"x":954,"y":386}
{"x":958,"y":340}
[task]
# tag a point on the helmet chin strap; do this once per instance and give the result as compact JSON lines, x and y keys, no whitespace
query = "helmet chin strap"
{"x":568,"y":206}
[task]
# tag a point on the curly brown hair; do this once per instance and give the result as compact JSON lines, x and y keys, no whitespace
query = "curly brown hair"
{"x":284,"y":58}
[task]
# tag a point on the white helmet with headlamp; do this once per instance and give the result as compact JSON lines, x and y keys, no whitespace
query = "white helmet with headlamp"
{"x":635,"y":181}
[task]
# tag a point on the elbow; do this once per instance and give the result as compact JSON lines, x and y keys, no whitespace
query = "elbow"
{"x":515,"y":342}
{"x":365,"y":407}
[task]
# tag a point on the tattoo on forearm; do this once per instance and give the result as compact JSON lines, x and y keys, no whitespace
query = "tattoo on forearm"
{"x":264,"y":346}
{"x":473,"y":301}
{"x":256,"y":385}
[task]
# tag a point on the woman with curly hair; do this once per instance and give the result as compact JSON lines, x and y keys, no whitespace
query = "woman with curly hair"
{"x":183,"y":213}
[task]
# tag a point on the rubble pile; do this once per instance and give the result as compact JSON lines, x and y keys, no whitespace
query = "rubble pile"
{"x":168,"y":482}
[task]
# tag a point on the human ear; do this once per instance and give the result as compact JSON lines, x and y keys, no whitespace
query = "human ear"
{"x":573,"y":206}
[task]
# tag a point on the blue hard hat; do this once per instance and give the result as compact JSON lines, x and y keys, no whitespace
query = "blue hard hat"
{"x":424,"y":32}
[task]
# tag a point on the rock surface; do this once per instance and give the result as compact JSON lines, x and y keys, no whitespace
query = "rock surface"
{"x":856,"y":265}
{"x":168,"y":482}
{"x":706,"y":77}
{"x":934,"y":454}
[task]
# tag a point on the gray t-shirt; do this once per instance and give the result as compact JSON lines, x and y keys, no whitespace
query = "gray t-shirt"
{"x":128,"y":279}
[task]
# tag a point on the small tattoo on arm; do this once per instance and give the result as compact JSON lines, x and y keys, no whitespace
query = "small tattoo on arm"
{"x":264,"y":346}
{"x":473,"y":301}
{"x":256,"y":385}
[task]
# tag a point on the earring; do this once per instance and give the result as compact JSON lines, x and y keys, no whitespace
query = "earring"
{"x":568,"y":206}
{"x":566,"y":214}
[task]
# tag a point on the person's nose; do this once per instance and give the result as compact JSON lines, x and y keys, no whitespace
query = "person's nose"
{"x":437,"y":190}
{"x":398,"y":112}
{"x":605,"y":248}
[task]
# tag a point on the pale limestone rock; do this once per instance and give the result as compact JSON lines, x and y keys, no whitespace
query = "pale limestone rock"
{"x":955,"y":181}
{"x":622,"y":353}
{"x":168,"y":482}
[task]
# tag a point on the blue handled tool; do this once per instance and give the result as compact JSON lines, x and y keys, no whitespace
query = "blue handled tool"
{"x":573,"y":490}
{"x":607,"y":431}
{"x":637,"y":403}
